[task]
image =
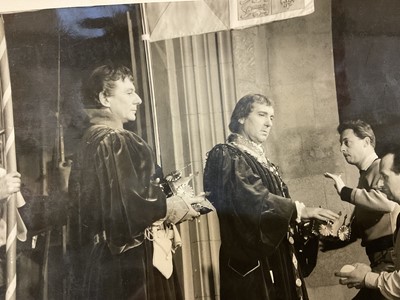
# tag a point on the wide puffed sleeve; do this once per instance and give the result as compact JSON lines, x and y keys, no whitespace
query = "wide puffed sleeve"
{"x":129,"y":200}
{"x":243,"y":200}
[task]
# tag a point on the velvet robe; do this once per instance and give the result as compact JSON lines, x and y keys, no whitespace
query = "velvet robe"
{"x":254,"y":213}
{"x":113,"y":201}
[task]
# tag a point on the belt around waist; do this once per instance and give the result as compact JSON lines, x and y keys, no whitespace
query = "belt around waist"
{"x":102,"y":237}
{"x":379,"y":244}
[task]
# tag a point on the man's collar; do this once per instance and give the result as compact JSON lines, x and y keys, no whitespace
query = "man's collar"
{"x":368,"y":161}
{"x":102,"y":116}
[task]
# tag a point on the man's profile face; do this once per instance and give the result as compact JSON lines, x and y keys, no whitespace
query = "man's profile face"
{"x":124,"y":101}
{"x":352,"y":147}
{"x":391,"y":180}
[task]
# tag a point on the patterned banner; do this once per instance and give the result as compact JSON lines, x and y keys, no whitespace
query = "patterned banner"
{"x":246,"y":13}
{"x":204,"y":16}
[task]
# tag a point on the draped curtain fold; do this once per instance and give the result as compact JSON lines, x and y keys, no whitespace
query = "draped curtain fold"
{"x":194,"y":95}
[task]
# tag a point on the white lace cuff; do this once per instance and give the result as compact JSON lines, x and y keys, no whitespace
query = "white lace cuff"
{"x":299,"y":207}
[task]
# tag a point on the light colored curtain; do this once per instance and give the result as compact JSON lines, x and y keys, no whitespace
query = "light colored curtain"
{"x":194,"y":95}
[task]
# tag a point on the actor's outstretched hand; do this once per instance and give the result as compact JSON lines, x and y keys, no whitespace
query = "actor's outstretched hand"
{"x":355,"y":278}
{"x":318,"y":213}
{"x":339,"y":184}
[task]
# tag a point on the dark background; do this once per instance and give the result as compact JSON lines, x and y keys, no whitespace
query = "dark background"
{"x":63,"y":45}
{"x":366,"y":44}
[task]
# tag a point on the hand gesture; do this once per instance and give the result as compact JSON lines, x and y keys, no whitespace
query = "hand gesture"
{"x":339,"y":184}
{"x":318,"y":213}
{"x":9,"y":184}
{"x":355,"y":278}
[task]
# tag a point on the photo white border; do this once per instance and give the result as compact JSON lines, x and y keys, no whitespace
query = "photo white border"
{"x":15,"y":6}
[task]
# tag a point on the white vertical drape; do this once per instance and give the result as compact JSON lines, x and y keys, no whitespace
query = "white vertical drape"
{"x":194,"y":95}
{"x":10,"y":163}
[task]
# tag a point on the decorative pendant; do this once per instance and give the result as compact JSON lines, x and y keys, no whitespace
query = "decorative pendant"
{"x":325,"y":229}
{"x":185,"y":189}
{"x":344,"y":231}
{"x":334,"y":230}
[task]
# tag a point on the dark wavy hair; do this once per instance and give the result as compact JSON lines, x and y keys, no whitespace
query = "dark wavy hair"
{"x":244,"y":107}
{"x":102,"y":79}
{"x":361,"y":130}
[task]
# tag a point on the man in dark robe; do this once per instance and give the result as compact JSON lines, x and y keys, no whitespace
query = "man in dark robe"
{"x":259,"y":222}
{"x":115,"y":199}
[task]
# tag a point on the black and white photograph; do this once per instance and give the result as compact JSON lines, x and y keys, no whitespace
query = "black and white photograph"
{"x":199,"y":150}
